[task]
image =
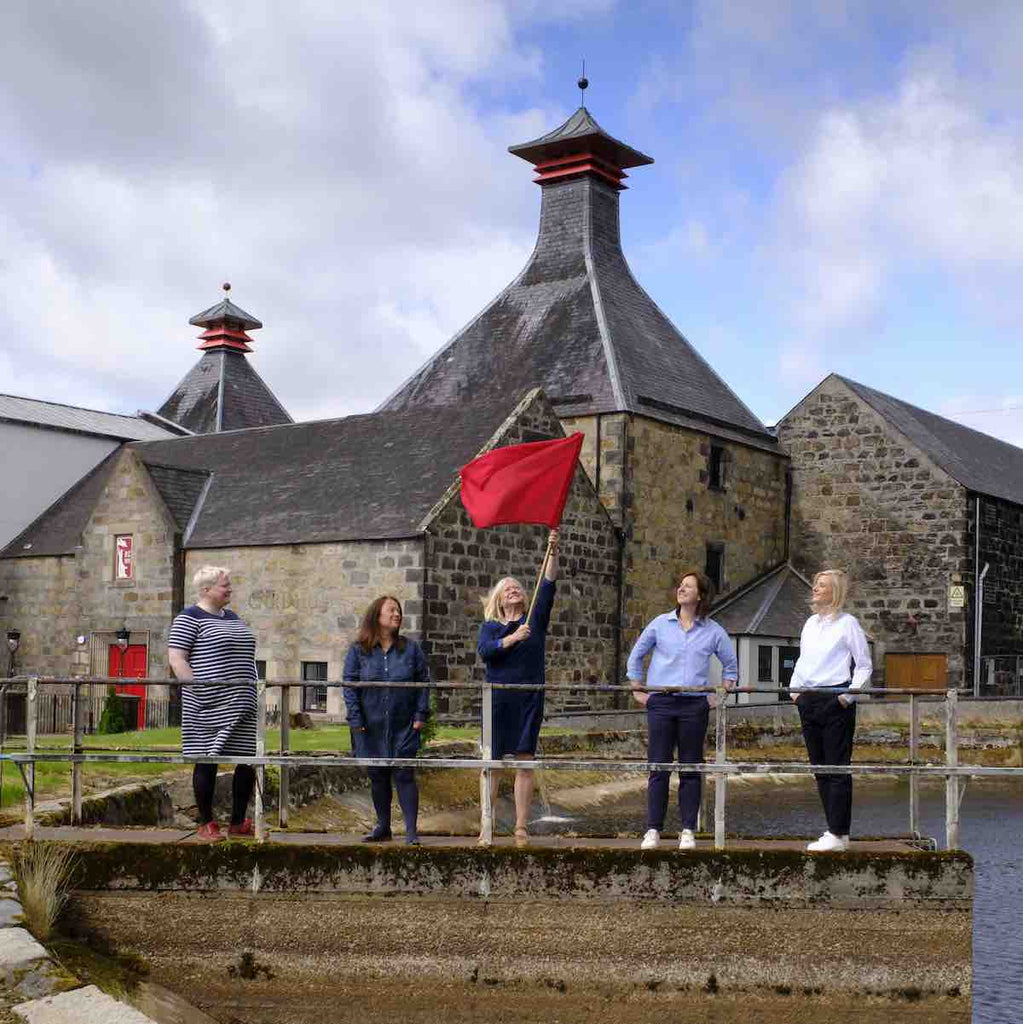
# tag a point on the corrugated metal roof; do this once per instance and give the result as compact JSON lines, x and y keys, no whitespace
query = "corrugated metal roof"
{"x":34,"y":412}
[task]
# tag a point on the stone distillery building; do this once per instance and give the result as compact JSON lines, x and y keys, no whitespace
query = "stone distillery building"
{"x":315,"y":519}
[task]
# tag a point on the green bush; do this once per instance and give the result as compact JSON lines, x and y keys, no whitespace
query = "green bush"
{"x":113,"y":714}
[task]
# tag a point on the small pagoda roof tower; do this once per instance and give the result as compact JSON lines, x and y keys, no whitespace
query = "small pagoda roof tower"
{"x":575,"y":321}
{"x":223,"y":391}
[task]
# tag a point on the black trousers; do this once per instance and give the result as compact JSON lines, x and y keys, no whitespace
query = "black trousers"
{"x":404,"y":780}
{"x":828,"y":728}
{"x":204,"y":784}
{"x":675,"y":723}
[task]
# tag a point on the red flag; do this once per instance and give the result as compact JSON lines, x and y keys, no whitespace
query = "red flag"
{"x":523,"y":483}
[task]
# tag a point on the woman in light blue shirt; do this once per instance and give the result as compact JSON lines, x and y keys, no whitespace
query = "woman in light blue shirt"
{"x":680,"y":645}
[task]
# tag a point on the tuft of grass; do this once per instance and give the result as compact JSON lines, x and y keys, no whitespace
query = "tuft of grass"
{"x":43,"y":873}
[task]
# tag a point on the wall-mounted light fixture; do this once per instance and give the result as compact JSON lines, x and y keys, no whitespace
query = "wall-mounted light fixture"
{"x":13,"y":640}
{"x":123,"y":636}
{"x":81,"y":639}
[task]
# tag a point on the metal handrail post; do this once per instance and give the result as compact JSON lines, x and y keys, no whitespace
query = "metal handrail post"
{"x":260,"y":751}
{"x":31,"y":710}
{"x":76,"y":768}
{"x":720,"y":779}
{"x":914,"y":756}
{"x":486,"y":749}
{"x":951,"y":781}
{"x":284,"y":786}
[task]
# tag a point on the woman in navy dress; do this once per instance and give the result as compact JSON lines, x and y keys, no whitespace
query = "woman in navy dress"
{"x":513,"y":652}
{"x":386,"y":720}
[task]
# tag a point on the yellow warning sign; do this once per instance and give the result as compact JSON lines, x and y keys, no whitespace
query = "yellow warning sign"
{"x":957,"y":596}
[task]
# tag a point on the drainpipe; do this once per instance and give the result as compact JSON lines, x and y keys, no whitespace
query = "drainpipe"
{"x":978,"y":620}
{"x":976,"y":577}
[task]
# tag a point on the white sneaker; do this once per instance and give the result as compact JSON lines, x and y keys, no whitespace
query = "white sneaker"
{"x":828,"y":843}
{"x":651,"y":839}
{"x":686,"y":839}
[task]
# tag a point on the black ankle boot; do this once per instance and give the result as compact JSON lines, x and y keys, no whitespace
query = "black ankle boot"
{"x":379,"y":834}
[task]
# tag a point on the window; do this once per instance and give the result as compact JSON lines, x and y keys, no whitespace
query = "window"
{"x":765,"y":663}
{"x":314,"y":698}
{"x":124,"y":557}
{"x":716,"y":468}
{"x":715,"y":567}
{"x":260,"y":669}
{"x":787,"y":658}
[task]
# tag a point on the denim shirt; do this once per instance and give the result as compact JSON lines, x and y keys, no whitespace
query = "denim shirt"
{"x":679,"y":657}
{"x":387,"y":713}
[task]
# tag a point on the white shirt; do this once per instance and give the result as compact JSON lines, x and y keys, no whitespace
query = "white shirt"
{"x":828,"y":646}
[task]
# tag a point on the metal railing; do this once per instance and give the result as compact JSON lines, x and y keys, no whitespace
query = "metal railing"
{"x":720,"y":768}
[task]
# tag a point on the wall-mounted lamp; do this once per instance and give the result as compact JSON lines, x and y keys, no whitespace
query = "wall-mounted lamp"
{"x":81,"y":639}
{"x":123,"y":636}
{"x":13,"y":640}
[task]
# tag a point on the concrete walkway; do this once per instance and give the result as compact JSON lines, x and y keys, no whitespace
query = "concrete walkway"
{"x":669,"y":840}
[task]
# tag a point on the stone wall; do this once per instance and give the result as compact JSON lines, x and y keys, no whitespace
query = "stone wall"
{"x":1001,"y":546}
{"x":53,"y":600}
{"x":305,"y":601}
{"x":463,"y":562}
{"x":864,"y":499}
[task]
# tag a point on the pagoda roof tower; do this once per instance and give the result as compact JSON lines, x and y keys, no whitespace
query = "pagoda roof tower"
{"x":223,"y":391}
{"x":575,"y":321}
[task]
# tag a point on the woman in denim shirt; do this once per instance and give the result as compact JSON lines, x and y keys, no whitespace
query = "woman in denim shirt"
{"x":386,"y":720}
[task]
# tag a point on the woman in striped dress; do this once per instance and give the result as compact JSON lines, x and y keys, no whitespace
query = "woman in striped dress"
{"x":208,"y":642}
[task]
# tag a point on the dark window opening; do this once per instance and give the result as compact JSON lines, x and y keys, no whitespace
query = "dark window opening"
{"x":716,"y":468}
{"x":314,"y":698}
{"x":260,"y":669}
{"x":787,"y":658}
{"x":765,"y":663}
{"x":715,"y":565}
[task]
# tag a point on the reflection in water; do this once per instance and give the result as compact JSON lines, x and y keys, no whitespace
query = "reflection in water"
{"x":991,"y":830}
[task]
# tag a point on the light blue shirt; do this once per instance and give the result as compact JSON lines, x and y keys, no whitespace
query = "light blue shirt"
{"x":681,"y":658}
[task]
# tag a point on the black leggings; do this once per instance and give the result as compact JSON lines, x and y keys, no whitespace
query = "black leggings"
{"x":204,"y":784}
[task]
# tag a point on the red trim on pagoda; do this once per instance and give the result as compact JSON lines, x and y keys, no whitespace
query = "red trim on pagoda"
{"x":222,"y":336}
{"x":580,"y":163}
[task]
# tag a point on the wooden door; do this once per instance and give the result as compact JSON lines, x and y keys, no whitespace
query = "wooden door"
{"x":916,"y":671}
{"x":133,"y":664}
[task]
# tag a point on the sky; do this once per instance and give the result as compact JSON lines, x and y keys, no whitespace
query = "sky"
{"x":837,"y":187}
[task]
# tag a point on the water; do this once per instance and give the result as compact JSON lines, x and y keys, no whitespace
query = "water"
{"x":991,"y":830}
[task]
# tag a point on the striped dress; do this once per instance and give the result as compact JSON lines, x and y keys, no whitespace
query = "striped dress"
{"x":216,"y":719}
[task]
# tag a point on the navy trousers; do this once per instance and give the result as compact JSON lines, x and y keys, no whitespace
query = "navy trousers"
{"x":828,"y":729}
{"x":408,"y":795}
{"x":675,"y":723}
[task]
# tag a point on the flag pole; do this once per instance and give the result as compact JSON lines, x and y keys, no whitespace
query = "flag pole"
{"x":539,"y":579}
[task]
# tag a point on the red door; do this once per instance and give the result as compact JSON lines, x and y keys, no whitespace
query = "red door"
{"x":131,"y":665}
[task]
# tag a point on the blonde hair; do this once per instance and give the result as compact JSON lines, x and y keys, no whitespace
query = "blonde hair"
{"x":207,"y":577}
{"x":493,"y":603}
{"x":839,"y":587}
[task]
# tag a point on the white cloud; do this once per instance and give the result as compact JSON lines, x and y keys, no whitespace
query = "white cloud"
{"x":331,"y":160}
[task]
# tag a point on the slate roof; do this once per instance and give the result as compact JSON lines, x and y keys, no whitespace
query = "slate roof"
{"x":180,"y":489}
{"x":54,"y":415}
{"x":776,"y":604}
{"x":223,"y":391}
{"x":576,"y":323}
{"x":580,"y":131}
{"x":225,"y":311}
{"x":369,"y":477}
{"x":979,"y":462}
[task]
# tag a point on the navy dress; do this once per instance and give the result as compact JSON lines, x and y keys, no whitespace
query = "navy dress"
{"x":517,"y":716}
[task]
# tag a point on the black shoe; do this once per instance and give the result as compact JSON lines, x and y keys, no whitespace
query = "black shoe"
{"x":380,"y":834}
{"x":412,"y":840}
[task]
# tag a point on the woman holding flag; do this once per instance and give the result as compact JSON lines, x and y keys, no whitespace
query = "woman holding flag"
{"x":513,"y":651}
{"x":519,"y":483}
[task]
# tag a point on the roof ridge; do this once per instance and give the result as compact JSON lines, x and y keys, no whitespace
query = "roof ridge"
{"x":66,"y":405}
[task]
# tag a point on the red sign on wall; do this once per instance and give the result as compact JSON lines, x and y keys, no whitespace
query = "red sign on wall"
{"x":124,"y":557}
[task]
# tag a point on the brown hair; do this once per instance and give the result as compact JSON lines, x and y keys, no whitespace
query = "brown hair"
{"x":703,"y":586}
{"x":368,"y":635}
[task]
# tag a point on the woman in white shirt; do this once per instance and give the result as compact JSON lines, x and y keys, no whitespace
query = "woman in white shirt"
{"x":834,"y":662}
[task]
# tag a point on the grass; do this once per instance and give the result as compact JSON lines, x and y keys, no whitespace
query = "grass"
{"x":43,"y":873}
{"x":53,"y":780}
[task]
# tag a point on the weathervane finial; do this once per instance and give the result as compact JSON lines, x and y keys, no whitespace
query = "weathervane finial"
{"x":582,"y":83}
